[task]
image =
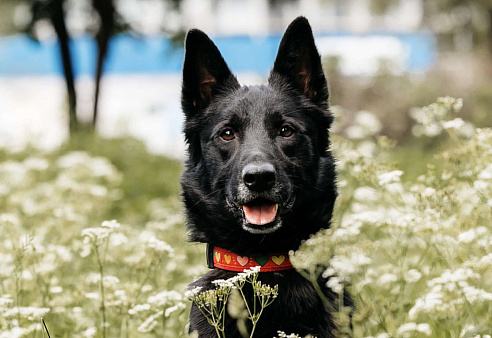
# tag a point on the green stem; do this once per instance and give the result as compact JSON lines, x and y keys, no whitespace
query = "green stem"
{"x":101,"y":272}
{"x":245,"y":302}
{"x":147,"y":276}
{"x":467,"y":303}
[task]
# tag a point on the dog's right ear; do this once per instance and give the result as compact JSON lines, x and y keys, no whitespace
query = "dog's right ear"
{"x":205,"y":73}
{"x":299,"y":63}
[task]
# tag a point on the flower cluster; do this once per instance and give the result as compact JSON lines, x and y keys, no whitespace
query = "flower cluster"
{"x":55,"y":264}
{"x":413,"y":252}
{"x":212,"y":303}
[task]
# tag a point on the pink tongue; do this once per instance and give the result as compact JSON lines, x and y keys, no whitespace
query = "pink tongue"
{"x":260,"y":214}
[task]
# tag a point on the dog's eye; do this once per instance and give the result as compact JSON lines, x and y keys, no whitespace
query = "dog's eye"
{"x":227,"y":134}
{"x":286,"y":131}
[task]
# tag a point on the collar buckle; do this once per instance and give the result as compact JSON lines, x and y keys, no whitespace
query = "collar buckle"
{"x":210,"y":256}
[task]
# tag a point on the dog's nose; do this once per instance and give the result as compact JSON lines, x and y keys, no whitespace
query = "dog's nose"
{"x":259,"y":176}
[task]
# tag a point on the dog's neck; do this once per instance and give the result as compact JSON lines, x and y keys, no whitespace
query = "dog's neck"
{"x":230,"y":261}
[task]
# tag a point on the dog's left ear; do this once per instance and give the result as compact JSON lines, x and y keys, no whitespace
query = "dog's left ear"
{"x":204,"y":72}
{"x":299,"y":63}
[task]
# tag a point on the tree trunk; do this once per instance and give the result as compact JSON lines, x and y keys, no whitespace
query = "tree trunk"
{"x":57,"y":16}
{"x":102,"y":46}
{"x":489,"y":33}
{"x":106,"y":11}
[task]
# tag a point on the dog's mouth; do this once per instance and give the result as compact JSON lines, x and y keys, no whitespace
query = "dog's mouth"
{"x":261,"y":215}
{"x":260,"y":211}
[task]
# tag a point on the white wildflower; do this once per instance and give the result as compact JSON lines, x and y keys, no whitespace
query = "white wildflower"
{"x":428,"y":303}
{"x":480,"y":185}
{"x":147,"y":288}
{"x":412,"y":276}
{"x":56,"y":289}
{"x":102,"y":167}
{"x":428,"y":192}
{"x":473,"y":294}
{"x":367,"y":148}
{"x":328,"y":273}
{"x":222,"y":283}
{"x":486,"y":174}
{"x":73,"y":159}
{"x":453,"y":276}
{"x":390,"y":177}
{"x":190,"y":294}
{"x":10,"y":219}
{"x":98,"y":190}
{"x":346,"y":266}
{"x":159,"y":245}
{"x":120,"y":293}
{"x":113,"y":224}
{"x":90,"y":332}
{"x":457,"y":103}
{"x":470,"y":235}
{"x":409,"y":329}
{"x":164,"y":298}
{"x":30,"y":313}
{"x":457,"y":124}
{"x":251,"y":271}
{"x":355,"y":132}
{"x":110,"y":281}
{"x":118,"y":239}
{"x":174,"y":308}
{"x":96,"y":233}
{"x":15,"y":332}
{"x":86,"y":249}
{"x":150,"y":323}
{"x":92,"y":295}
{"x":61,"y":251}
{"x":335,"y":285}
{"x":369,"y":122}
{"x":383,"y":335}
{"x":6,"y":300}
{"x":139,"y":308}
{"x":282,"y":334}
{"x":27,"y":275}
{"x":36,"y":163}
{"x":93,"y":278}
{"x":387,"y":278}
{"x":366,"y":194}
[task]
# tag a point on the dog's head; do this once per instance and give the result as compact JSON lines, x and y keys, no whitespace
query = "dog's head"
{"x":259,"y":174}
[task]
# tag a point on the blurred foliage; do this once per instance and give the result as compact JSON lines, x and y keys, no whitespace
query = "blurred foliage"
{"x":414,"y":251}
{"x":7,"y":10}
{"x":452,"y":20}
{"x":391,"y":96}
{"x":50,"y":207}
{"x":382,"y":6}
{"x":133,"y":160}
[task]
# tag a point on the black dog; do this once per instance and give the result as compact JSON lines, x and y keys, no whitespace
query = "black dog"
{"x":259,"y":178}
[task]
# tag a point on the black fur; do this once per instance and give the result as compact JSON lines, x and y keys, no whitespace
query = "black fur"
{"x":304,"y":187}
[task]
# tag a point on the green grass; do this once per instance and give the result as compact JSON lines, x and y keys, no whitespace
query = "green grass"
{"x":146,"y":176}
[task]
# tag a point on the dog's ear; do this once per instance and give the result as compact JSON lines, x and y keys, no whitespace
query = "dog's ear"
{"x":204,"y":72}
{"x":299,"y":63}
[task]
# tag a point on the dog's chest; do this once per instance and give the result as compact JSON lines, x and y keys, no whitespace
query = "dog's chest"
{"x":296,"y":309}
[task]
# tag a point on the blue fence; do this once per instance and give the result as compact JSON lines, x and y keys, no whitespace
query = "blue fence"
{"x":20,"y":55}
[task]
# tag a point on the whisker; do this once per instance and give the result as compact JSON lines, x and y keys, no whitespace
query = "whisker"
{"x":203,"y":198}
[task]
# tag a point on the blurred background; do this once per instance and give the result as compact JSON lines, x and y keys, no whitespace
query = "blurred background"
{"x":90,"y":130}
{"x":114,"y":65}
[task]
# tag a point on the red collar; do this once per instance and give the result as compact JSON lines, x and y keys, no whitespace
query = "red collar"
{"x":228,"y":260}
